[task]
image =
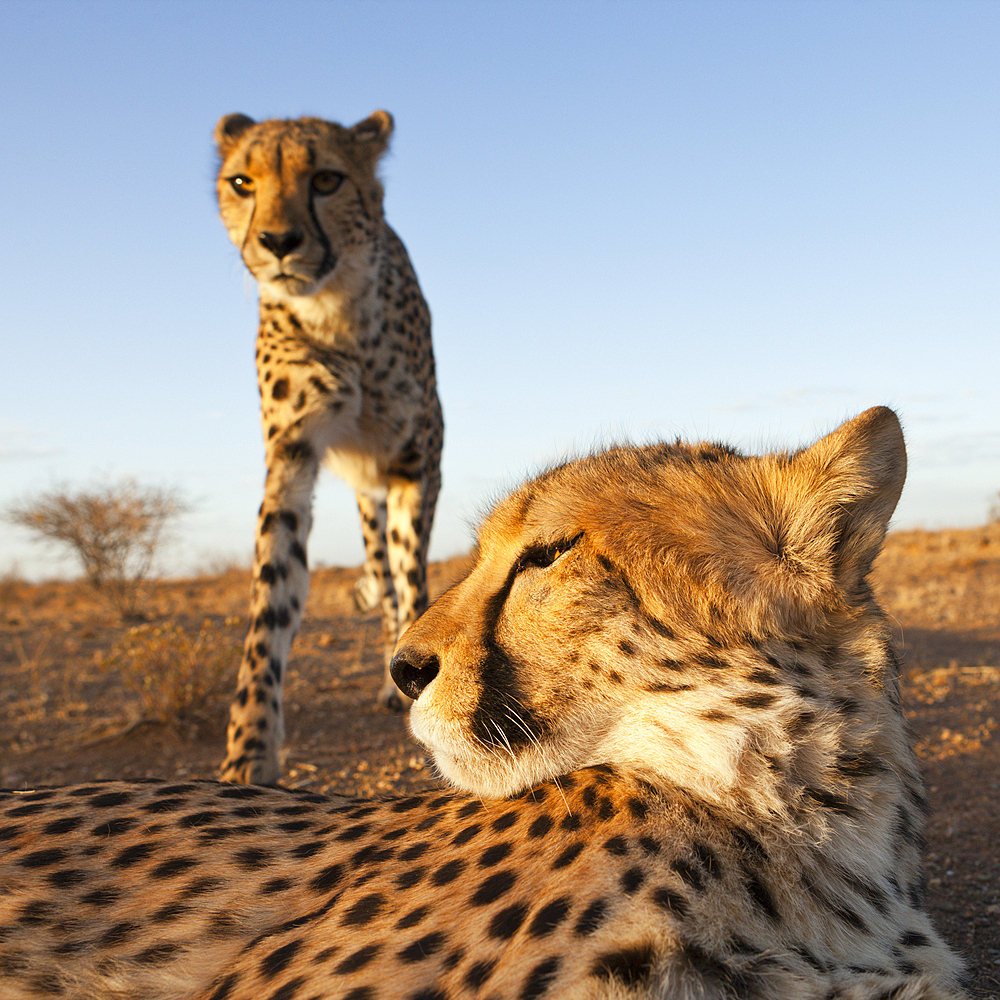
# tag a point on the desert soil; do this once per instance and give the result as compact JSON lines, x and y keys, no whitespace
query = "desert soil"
{"x":66,"y":716}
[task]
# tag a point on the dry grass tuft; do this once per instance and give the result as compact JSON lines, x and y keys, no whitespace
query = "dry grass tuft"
{"x":179,"y":676}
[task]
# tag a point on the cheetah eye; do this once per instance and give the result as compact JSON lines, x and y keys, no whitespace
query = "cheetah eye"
{"x":542,"y":556}
{"x":326,"y":181}
{"x":242,"y":185}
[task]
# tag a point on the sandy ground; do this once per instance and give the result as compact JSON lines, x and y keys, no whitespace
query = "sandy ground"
{"x":66,"y":716}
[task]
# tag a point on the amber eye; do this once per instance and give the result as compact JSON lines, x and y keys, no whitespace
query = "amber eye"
{"x":242,"y":185}
{"x":326,"y":181}
{"x":543,"y":556}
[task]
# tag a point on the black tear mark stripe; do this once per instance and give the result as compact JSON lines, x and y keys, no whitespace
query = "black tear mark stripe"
{"x":501,"y":716}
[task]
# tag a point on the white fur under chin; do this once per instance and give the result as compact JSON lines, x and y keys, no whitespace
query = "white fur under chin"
{"x":490,"y":772}
{"x":709,"y":763}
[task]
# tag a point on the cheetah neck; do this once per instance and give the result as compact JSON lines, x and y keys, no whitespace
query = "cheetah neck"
{"x":330,"y":317}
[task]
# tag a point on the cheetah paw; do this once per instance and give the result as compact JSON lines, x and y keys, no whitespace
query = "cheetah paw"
{"x":392,"y":699}
{"x":250,"y":771}
{"x":367,"y":593}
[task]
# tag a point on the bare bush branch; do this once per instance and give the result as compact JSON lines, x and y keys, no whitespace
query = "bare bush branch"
{"x":114,"y":530}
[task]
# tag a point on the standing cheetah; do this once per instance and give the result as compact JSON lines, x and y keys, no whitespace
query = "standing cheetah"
{"x":670,"y":704}
{"x":346,"y":375}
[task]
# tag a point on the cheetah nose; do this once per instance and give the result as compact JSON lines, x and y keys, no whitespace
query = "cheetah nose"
{"x":280,"y":244}
{"x":413,"y":671}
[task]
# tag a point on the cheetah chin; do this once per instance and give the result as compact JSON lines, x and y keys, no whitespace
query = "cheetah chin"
{"x":670,"y":702}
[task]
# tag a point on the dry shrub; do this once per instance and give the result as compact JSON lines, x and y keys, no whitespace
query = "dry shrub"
{"x":113,"y":529}
{"x":179,"y":676}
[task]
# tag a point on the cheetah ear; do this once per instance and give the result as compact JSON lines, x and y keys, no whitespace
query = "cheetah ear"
{"x":228,"y":131}
{"x":374,"y":132}
{"x":855,"y":477}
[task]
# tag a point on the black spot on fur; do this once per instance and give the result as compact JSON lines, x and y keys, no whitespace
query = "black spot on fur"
{"x":689,"y":873}
{"x":132,"y":855}
{"x":173,"y":867}
{"x":413,"y":918}
{"x":860,"y":764}
{"x":225,"y":987}
{"x":289,"y":989}
{"x":707,"y":859}
{"x":159,"y":954}
{"x":638,"y":808}
{"x":493,"y":887}
{"x":352,"y":833}
{"x":829,"y":800}
{"x":720,"y":978}
{"x":540,"y":978}
{"x":630,"y":966}
{"x":448,"y":872}
{"x":591,"y":918}
{"x":117,"y":934}
{"x":759,"y":700}
{"x":43,"y":859}
{"x":617,"y":846}
{"x":414,"y":851}
{"x":549,"y":917}
{"x":251,"y":858}
{"x":364,"y":910}
{"x":107,"y":895}
{"x":357,"y":960}
{"x":327,"y":879}
{"x":505,"y":821}
{"x":465,"y":834}
{"x":63,"y":825}
{"x":761,"y":895}
{"x":670,"y":901}
{"x":198,"y":819}
{"x":170,"y":912}
{"x":494,"y":854}
{"x":569,"y":855}
{"x":478,"y":973}
{"x":631,"y":880}
{"x":508,"y":921}
{"x":110,"y":799}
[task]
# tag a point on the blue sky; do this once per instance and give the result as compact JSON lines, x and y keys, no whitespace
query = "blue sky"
{"x":736,"y":221}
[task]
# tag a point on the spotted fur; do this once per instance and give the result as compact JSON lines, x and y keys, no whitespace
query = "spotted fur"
{"x":346,"y":375}
{"x":670,"y":704}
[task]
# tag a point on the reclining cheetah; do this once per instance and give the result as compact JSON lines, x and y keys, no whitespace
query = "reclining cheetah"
{"x":346,"y":374}
{"x":670,"y":703}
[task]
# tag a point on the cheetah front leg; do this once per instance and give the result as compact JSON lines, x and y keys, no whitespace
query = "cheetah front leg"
{"x":378,"y":580}
{"x":410,"y":507}
{"x":369,"y":588}
{"x":279,"y":589}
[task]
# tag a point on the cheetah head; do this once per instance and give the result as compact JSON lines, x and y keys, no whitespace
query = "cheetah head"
{"x":301,"y":199}
{"x":637,"y":607}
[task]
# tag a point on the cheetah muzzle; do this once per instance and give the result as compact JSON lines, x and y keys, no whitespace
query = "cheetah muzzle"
{"x":669,"y":702}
